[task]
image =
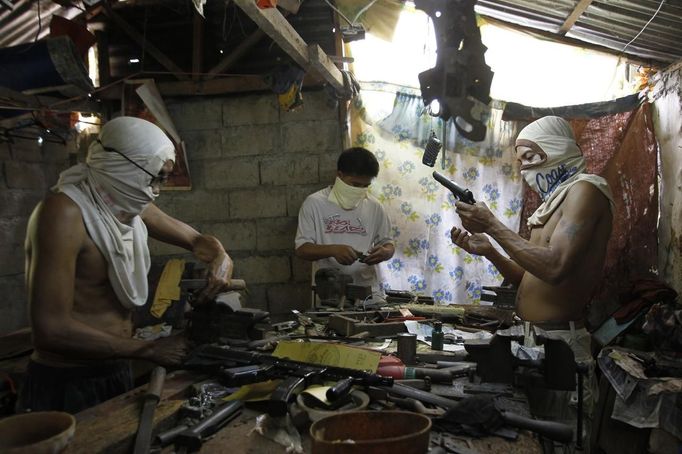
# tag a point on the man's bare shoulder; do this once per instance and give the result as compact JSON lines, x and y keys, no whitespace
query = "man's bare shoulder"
{"x":586,"y":194}
{"x":57,"y":214}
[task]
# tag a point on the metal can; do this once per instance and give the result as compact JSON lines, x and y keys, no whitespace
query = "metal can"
{"x":407,"y":347}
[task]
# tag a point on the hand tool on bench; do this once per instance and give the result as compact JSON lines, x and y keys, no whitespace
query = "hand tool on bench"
{"x":151,"y":399}
{"x":550,"y":429}
{"x":191,"y":439}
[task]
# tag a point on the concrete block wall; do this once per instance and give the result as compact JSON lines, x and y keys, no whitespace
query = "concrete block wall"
{"x":27,"y":170}
{"x":252,"y":165}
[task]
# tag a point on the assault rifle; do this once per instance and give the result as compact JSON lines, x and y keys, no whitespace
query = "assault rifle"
{"x":462,"y":194}
{"x":238,"y":367}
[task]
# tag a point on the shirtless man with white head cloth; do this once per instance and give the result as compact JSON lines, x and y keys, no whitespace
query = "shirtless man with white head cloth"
{"x":87,"y":261}
{"x":558,"y":269}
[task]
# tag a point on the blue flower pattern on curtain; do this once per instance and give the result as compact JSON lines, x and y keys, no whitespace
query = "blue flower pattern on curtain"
{"x":422,"y":211}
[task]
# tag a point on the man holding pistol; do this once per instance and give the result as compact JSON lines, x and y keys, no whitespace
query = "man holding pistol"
{"x":342,"y":227}
{"x":557,"y":270}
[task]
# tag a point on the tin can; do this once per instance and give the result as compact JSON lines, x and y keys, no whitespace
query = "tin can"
{"x":407,"y":347}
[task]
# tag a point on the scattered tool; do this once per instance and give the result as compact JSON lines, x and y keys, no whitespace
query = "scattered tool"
{"x":492,"y":418}
{"x":191,"y":439}
{"x":241,"y":367}
{"x":151,"y":399}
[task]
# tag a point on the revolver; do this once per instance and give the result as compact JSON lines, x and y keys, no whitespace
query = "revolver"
{"x":462,"y":194}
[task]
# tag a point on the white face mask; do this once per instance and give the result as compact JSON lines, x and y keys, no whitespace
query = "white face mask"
{"x":544,"y":178}
{"x":552,"y":135}
{"x":346,"y":196}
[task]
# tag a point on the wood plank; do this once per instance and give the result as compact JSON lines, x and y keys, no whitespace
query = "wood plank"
{"x":573,"y":17}
{"x":103,"y":57}
{"x":323,"y":64}
{"x":21,"y":101}
{"x":111,"y":426}
{"x":218,"y":86}
{"x":213,"y":87}
{"x":197,"y":45}
{"x":145,"y":44}
{"x":274,"y":25}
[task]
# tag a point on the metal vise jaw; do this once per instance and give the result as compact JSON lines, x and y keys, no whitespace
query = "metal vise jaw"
{"x":496,"y":363}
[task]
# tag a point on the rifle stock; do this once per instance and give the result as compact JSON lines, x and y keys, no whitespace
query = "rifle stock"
{"x":296,"y":375}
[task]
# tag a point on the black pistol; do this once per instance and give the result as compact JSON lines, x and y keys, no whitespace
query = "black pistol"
{"x":462,"y":194}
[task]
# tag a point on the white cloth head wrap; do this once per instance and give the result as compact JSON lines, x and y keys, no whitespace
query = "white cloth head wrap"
{"x":110,"y":189}
{"x":564,"y":166}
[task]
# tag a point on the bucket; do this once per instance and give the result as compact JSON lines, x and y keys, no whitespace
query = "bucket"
{"x":371,"y":432}
{"x":41,"y":432}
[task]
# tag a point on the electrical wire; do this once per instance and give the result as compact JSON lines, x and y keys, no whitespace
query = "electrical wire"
{"x":353,"y":22}
{"x":645,"y":26}
{"x":338,"y":12}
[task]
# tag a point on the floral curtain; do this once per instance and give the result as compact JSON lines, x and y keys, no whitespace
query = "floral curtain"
{"x":421,"y":210}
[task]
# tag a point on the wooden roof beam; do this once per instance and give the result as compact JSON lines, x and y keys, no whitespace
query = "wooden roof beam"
{"x":197,"y":45}
{"x":274,"y":25}
{"x":243,"y":47}
{"x":573,"y":17}
{"x":145,"y":44}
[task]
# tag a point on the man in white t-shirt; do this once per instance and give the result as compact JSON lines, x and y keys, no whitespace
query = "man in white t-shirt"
{"x":340,"y":224}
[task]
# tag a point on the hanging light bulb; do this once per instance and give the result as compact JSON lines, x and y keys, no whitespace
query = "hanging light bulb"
{"x":434,"y":108}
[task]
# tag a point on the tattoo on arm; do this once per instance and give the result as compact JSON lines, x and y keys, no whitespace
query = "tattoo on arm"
{"x":570,"y":229}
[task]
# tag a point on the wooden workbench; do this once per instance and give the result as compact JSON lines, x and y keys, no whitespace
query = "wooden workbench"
{"x":110,"y":427}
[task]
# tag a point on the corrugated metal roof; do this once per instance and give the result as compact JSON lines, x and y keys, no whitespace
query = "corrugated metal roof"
{"x":609,"y":23}
{"x":24,"y":24}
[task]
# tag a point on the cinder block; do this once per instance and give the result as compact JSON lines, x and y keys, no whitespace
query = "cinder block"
{"x":193,"y":206}
{"x":231,"y":173}
{"x":328,"y":162}
{"x":250,"y":110}
{"x":316,"y":106}
{"x":202,"y":144}
{"x":263,"y":269}
{"x":166,"y":202}
{"x":311,"y":137}
{"x":27,"y":151}
{"x":289,"y":170}
{"x":13,"y":230}
{"x":13,"y":304}
{"x":302,"y":270}
{"x":57,"y":152}
{"x":282,"y":299}
{"x":276,"y":234}
{"x":256,"y":297}
{"x":159,"y":248}
{"x":196,"y":115}
{"x":12,"y":259}
{"x":258,"y":203}
{"x":52,"y":171}
{"x":17,"y":202}
{"x":250,"y":140}
{"x":22,"y":175}
{"x":296,"y":195}
{"x":234,"y":235}
{"x":4,"y":152}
